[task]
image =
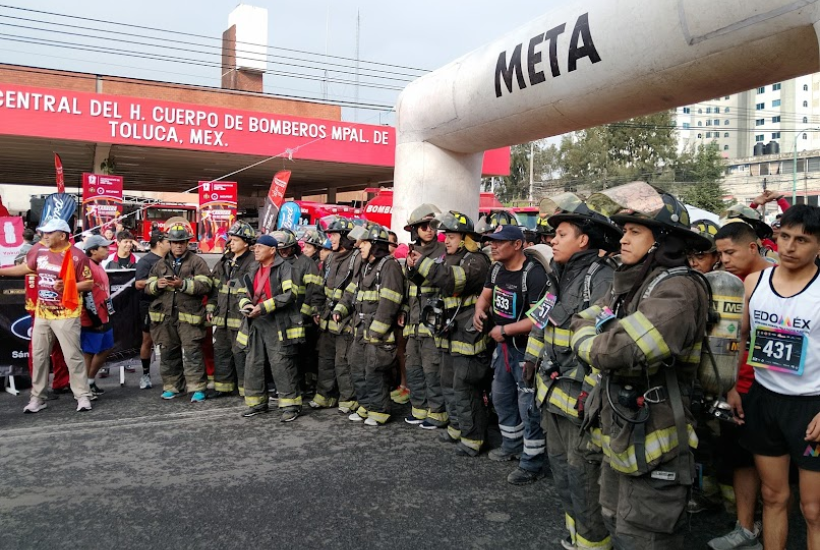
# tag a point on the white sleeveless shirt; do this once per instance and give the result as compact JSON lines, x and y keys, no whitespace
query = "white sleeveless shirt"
{"x":785,"y":337}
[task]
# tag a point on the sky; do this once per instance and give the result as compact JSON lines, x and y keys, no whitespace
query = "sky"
{"x":421,"y":35}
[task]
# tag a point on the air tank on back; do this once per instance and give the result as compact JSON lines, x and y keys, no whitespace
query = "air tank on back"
{"x":727,"y":299}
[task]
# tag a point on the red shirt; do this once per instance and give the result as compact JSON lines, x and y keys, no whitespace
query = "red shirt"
{"x":261,"y":285}
{"x":746,"y":374}
{"x":47,"y":264}
{"x":100,"y":293}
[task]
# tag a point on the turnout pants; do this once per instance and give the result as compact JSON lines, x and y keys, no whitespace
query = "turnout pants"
{"x":181,"y":363}
{"x":379,"y":359}
{"x":357,"y":359}
{"x":308,"y":356}
{"x":423,"y":379}
{"x":446,"y":376}
{"x":518,"y":418}
{"x":643,"y":513}
{"x":575,"y":473}
{"x":344,"y":378}
{"x":469,"y":374}
{"x":265,"y":349}
{"x":326,"y":388}
{"x":67,"y":332}
{"x":229,"y":361}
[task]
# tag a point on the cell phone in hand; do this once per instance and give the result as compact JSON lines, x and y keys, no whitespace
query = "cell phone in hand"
{"x":169,"y":277}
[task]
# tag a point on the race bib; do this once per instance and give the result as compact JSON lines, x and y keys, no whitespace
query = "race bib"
{"x":778,"y":350}
{"x":540,"y":312}
{"x":504,"y":303}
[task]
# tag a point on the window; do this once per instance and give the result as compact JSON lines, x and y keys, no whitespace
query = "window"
{"x":700,"y":136}
{"x":725,"y":147}
{"x":728,"y":97}
{"x":708,"y":110}
{"x":726,"y":134}
{"x":686,"y":110}
{"x":775,"y":87}
{"x":700,"y":123}
{"x":760,"y":122}
{"x":717,"y":122}
{"x":760,"y":106}
{"x":726,"y":110}
{"x":708,"y":122}
{"x":685,"y":125}
{"x":775,"y":135}
{"x":760,"y":138}
{"x":725,"y":122}
{"x":805,"y":104}
{"x":805,"y":120}
{"x":775,"y":119}
{"x":708,"y":135}
{"x":805,"y":136}
{"x":761,"y":89}
{"x":805,"y":87}
{"x":776,"y":103}
{"x":700,"y":111}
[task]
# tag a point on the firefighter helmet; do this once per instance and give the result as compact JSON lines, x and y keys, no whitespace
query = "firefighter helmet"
{"x":422,"y":214}
{"x":335,"y":224}
{"x":542,"y":227}
{"x":179,"y":232}
{"x":377,"y":234}
{"x":707,"y":229}
{"x":608,"y":235}
{"x":244,"y":231}
{"x":454,"y":222}
{"x":741,"y":212}
{"x":314,"y":237}
{"x":285,"y":238}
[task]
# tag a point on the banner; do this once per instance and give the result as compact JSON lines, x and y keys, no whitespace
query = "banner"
{"x":59,"y":205}
{"x":217,"y":210}
{"x":102,"y":199}
{"x":11,"y":239}
{"x":274,"y":200}
{"x":289,"y":216}
{"x":15,"y":321}
{"x":60,"y":177}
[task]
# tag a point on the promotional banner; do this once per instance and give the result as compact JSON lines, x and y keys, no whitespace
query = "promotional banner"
{"x":58,"y":205}
{"x":102,"y":199}
{"x":11,"y":239}
{"x":15,"y":321}
{"x":274,"y":200}
{"x":289,"y":216}
{"x":217,"y":210}
{"x":60,"y":177}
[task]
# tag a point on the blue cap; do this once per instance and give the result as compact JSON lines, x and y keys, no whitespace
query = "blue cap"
{"x":267,"y":240}
{"x":505,"y":233}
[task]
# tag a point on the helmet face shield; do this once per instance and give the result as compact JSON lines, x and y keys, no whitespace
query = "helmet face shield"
{"x":453,"y":222}
{"x":565,"y":202}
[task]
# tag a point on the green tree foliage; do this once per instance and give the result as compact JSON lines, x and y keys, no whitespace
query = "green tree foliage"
{"x":516,"y":186}
{"x":700,"y":172}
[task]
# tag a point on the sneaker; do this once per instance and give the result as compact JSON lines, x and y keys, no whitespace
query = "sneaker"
{"x":103,"y":373}
{"x":500,"y":455}
{"x":355,"y":417}
{"x":314,"y":405}
{"x":427,"y":425}
{"x":520,"y":476}
{"x":400,"y":396}
{"x":51,"y":396}
{"x":372,"y":422}
{"x":290,"y":415}
{"x":413,"y":420}
{"x":345,"y":410}
{"x":214,"y":394}
{"x":83,"y":404}
{"x":253,"y":411}
{"x":198,"y":397}
{"x":145,"y":382}
{"x":737,"y":538}
{"x":35,"y":405}
{"x":567,"y":544}
{"x":169,"y":395}
{"x":95,"y":391}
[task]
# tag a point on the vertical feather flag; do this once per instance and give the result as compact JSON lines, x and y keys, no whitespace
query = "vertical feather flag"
{"x":68,"y":274}
{"x":58,"y":167}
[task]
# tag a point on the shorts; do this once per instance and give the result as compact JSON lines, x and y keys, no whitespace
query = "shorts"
{"x":730,"y":455}
{"x":145,"y":319}
{"x":94,"y":342}
{"x":776,"y":426}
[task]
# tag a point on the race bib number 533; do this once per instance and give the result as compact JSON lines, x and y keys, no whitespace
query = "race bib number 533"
{"x":504,"y":303}
{"x":778,"y":350}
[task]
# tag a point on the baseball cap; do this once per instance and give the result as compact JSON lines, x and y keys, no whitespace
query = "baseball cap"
{"x":54,"y":224}
{"x":505,"y":233}
{"x":94,"y":241}
{"x":267,"y":240}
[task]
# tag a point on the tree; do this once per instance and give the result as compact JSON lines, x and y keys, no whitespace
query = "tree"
{"x":516,"y":186}
{"x":700,"y":173}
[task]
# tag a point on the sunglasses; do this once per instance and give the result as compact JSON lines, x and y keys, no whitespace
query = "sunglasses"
{"x":424,"y":226}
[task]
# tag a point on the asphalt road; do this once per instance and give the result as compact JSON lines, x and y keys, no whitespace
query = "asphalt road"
{"x":138,"y":472}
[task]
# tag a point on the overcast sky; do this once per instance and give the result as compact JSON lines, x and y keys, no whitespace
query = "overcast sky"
{"x":422,"y":34}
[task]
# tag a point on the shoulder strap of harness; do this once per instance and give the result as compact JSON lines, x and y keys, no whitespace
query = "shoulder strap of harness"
{"x":495,"y":271}
{"x":593,"y":268}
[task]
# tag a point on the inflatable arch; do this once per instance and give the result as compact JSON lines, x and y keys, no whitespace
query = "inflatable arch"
{"x":589,"y":63}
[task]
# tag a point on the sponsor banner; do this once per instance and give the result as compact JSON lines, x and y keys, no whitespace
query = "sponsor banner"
{"x":15,"y":321}
{"x":100,"y":118}
{"x":289,"y":216}
{"x":11,"y":239}
{"x":102,"y":199}
{"x":275,"y":198}
{"x":59,"y":174}
{"x":217,"y":208}
{"x":60,"y":206}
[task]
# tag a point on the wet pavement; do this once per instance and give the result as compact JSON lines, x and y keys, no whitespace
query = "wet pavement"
{"x":139,"y":472}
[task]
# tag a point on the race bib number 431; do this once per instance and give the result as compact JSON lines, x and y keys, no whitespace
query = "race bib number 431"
{"x":778,"y":350}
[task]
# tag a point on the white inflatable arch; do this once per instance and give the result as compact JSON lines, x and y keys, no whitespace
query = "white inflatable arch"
{"x":589,"y":63}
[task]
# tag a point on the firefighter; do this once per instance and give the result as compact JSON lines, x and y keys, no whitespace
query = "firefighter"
{"x":423,"y":355}
{"x":313,"y":243}
{"x":333,"y":377}
{"x":179,"y":282}
{"x":223,"y":310}
{"x":645,"y":337}
{"x":307,"y":285}
{"x":460,"y":277}
{"x":374,"y":302}
{"x":708,"y":260}
{"x":271,"y":331}
{"x":544,"y":231}
{"x":562,"y":383}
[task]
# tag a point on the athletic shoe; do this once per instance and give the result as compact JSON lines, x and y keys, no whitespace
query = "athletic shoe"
{"x":314,"y":405}
{"x":253,"y":411}
{"x":145,"y":382}
{"x":410,"y":419}
{"x":345,"y":410}
{"x":198,"y":397}
{"x":737,"y":538}
{"x":170,"y":394}
{"x":95,"y":391}
{"x":566,"y":544}
{"x":289,"y":415}
{"x":103,"y":373}
{"x":51,"y":396}
{"x":500,"y":455}
{"x":520,"y":476}
{"x":355,"y":417}
{"x":35,"y":405}
{"x":372,"y":422}
{"x":427,"y":425}
{"x":400,"y":395}
{"x":83,"y":404}
{"x":215,"y":394}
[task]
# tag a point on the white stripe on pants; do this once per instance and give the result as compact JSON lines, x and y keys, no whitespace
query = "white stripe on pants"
{"x":67,"y":332}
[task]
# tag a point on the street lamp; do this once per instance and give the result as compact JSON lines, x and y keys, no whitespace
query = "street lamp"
{"x":794,"y":168}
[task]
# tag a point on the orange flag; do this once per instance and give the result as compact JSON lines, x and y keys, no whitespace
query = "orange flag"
{"x":71,"y":296}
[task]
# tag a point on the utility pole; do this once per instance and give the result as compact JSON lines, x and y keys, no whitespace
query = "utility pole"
{"x":532,"y":170}
{"x":356,"y":93}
